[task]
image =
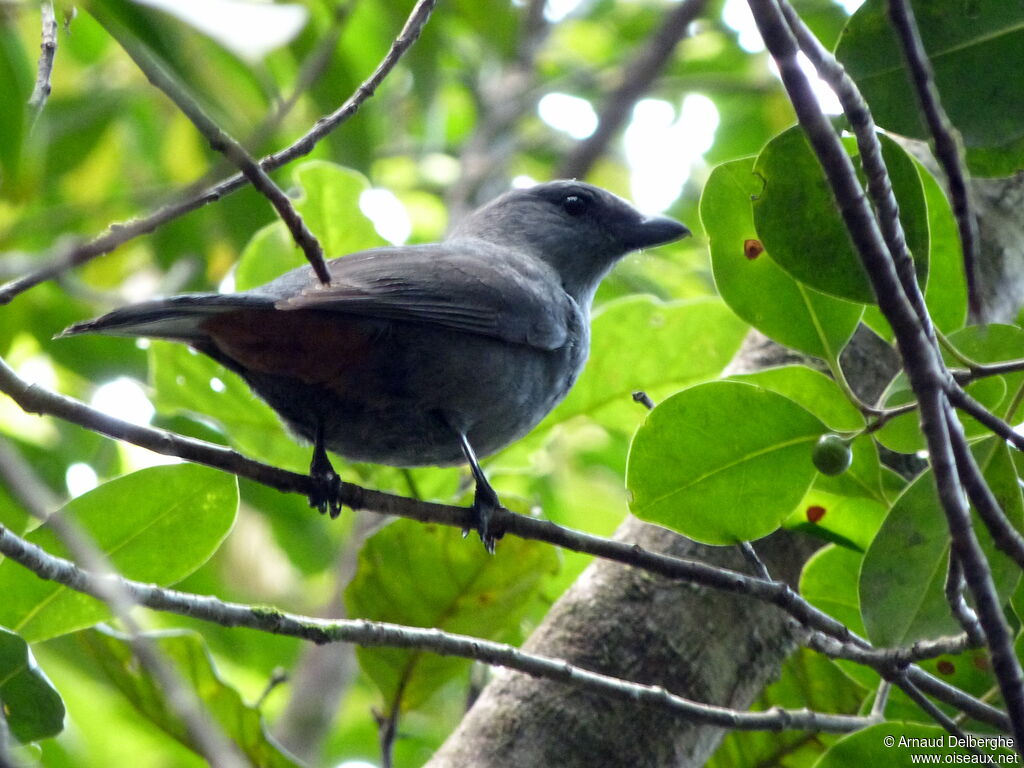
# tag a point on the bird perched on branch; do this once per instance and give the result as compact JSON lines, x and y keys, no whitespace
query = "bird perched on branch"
{"x":426,"y":354}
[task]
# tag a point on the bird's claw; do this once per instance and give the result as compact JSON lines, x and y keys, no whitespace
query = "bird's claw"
{"x":485,"y":503}
{"x":326,"y":494}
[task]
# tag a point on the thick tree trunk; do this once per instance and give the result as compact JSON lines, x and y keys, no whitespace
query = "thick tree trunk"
{"x":713,"y":647}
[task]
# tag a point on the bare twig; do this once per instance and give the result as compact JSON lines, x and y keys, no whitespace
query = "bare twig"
{"x":118,"y":234}
{"x":1007,"y":538}
{"x":47,"y":53}
{"x":754,"y":560}
{"x":312,"y":67}
{"x":221,"y":141}
{"x":881,"y":699}
{"x":946,"y":138}
{"x":369,"y":633}
{"x":960,"y":399}
{"x":644,"y":399}
{"x":937,"y":715}
{"x":961,"y":611}
{"x":865,"y":131}
{"x":207,"y":736}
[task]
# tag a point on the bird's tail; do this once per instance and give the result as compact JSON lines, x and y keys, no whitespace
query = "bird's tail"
{"x":178,"y":318}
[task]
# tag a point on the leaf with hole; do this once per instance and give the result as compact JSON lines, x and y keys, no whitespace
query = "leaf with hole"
{"x":801,"y":227}
{"x":757,"y":289}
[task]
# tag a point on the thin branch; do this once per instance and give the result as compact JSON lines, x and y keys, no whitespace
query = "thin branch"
{"x":221,"y":141}
{"x":635,"y":81}
{"x":387,"y":727}
{"x":885,"y":416}
{"x":937,"y":715}
{"x":369,"y":633}
{"x":961,"y":611}
{"x":960,"y":399}
{"x":118,"y":234}
{"x":207,"y":736}
{"x":879,"y":183}
{"x":47,"y":53}
{"x":312,"y":67}
{"x":754,"y":560}
{"x":1007,"y":538}
{"x":961,"y":700}
{"x":981,"y":370}
{"x":881,"y":699}
{"x":943,"y":431}
{"x":946,"y":138}
{"x":894,"y":663}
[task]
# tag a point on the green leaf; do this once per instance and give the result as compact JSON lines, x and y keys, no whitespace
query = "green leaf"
{"x":851,"y":521}
{"x":32,"y":706}
{"x":722,"y":462}
{"x":807,"y":679}
{"x":946,"y":292}
{"x":904,"y":572}
{"x":155,"y":525}
{"x":757,"y":289}
{"x":187,"y":382}
{"x":269,"y":253}
{"x":429,"y":576}
{"x":15,"y":88}
{"x":800,"y":226}
{"x":829,"y":583}
{"x":112,"y":655}
{"x":813,"y":390}
{"x":962,"y":41}
{"x":329,"y":204}
{"x":984,"y":344}
{"x":682,"y":343}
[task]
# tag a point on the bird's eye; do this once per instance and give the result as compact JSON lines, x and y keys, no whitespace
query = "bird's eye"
{"x":574,"y":205}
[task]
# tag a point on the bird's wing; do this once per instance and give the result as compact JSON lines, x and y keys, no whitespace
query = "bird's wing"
{"x":466,"y":285}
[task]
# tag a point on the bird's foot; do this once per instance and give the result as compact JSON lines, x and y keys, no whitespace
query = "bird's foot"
{"x":326,"y":494}
{"x":485,"y":504}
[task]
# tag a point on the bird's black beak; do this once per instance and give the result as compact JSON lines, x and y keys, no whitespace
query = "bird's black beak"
{"x":655,"y":230}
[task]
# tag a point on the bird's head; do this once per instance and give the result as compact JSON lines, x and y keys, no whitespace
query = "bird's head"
{"x":579,"y":229}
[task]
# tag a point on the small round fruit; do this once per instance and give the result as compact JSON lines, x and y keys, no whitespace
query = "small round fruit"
{"x":832,"y":455}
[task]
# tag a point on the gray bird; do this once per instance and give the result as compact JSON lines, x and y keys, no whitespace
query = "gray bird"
{"x":425,"y":354}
